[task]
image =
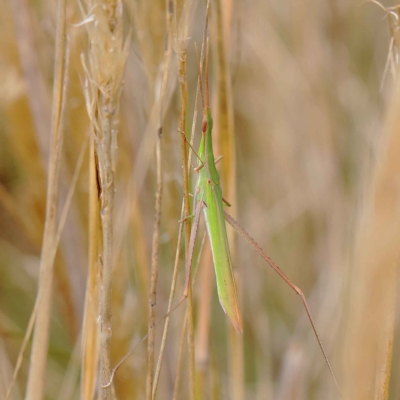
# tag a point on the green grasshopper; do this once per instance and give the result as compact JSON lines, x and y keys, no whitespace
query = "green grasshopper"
{"x":208,"y":198}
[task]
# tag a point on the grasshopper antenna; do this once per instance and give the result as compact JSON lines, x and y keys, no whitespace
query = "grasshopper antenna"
{"x":207,"y":87}
{"x":200,"y":77}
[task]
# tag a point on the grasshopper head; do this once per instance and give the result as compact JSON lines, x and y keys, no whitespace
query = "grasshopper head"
{"x":207,"y":121}
{"x":204,"y":125}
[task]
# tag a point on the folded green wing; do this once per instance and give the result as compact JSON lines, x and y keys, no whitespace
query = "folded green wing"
{"x":216,"y":228}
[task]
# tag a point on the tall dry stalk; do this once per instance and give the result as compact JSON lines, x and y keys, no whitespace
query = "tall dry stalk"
{"x":374,"y":278}
{"x":180,"y":46}
{"x":90,"y":336}
{"x":106,"y":58}
{"x":204,"y":321}
{"x":372,"y":302}
{"x":226,"y":145}
{"x":154,"y":273}
{"x":38,"y":360}
{"x":67,"y":270}
{"x":152,"y":379}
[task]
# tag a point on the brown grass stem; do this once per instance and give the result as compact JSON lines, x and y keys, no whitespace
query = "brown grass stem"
{"x":184,"y":326}
{"x":36,"y":377}
{"x":57,"y":238}
{"x":180,"y":48}
{"x":170,"y":304}
{"x":154,"y":273}
{"x":152,"y":379}
{"x":372,"y":299}
{"x":180,"y":356}
{"x":204,"y":320}
{"x":106,"y":63}
{"x":90,"y":336}
{"x":173,"y":284}
{"x":226,"y":145}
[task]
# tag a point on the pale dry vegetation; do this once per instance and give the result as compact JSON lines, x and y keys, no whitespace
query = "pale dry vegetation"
{"x":95,"y":175}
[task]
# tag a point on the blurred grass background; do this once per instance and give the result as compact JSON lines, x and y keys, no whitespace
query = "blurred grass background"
{"x":299,"y":113}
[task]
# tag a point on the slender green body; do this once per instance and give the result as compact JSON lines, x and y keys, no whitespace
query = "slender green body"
{"x":209,"y":191}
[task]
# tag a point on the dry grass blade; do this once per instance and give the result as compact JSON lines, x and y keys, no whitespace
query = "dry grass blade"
{"x":36,"y":79}
{"x":170,"y":303}
{"x":374,"y":279}
{"x":154,"y":274}
{"x":173,"y":284}
{"x":152,"y":380}
{"x":90,"y":336}
{"x":180,"y":357}
{"x":106,"y":63}
{"x":57,"y":237}
{"x":184,"y":327}
{"x":204,"y":321}
{"x":36,"y":379}
{"x":226,"y":145}
{"x":181,"y":50}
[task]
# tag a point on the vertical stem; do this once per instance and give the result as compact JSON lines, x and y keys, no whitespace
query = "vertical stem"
{"x":170,"y":302}
{"x":107,"y":58}
{"x":37,"y":366}
{"x":182,"y":129}
{"x":178,"y":367}
{"x":372,"y":300}
{"x":90,"y":337}
{"x":106,"y":213}
{"x":154,"y":274}
{"x":183,"y":211}
{"x":225,"y":144}
{"x":203,"y":326}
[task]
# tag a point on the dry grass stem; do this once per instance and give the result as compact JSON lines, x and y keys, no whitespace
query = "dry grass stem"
{"x":154,"y":273}
{"x":204,"y":320}
{"x":61,"y":225}
{"x":36,"y":378}
{"x":180,"y":357}
{"x":372,"y":301}
{"x":106,"y":60}
{"x":226,"y":145}
{"x":170,"y":303}
{"x":152,"y":379}
{"x":90,"y":336}
{"x":180,"y":49}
